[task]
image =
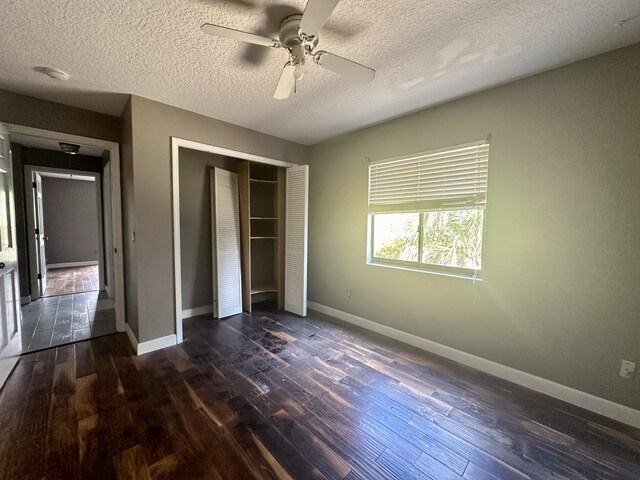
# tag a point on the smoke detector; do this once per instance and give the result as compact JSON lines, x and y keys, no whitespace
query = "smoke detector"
{"x":69,"y":148}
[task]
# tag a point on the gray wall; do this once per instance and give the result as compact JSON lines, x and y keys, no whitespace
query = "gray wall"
{"x":561,"y":270}
{"x":152,"y":126}
{"x":34,"y":112}
{"x":195,"y":224}
{"x":70,"y":215}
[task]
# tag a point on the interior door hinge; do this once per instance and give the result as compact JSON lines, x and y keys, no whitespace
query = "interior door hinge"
{"x":39,"y":276}
{"x":34,"y":184}
{"x":37,"y":231}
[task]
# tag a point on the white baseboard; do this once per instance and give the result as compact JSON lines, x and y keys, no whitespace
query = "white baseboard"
{"x":151,"y":345}
{"x":192,"y":312}
{"x":132,"y":337}
{"x":599,"y":405}
{"x":71,"y":264}
{"x":157,"y":344}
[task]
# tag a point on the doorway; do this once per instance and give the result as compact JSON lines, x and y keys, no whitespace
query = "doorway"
{"x":63,"y":209}
{"x":65,"y":244}
{"x":71,"y":270}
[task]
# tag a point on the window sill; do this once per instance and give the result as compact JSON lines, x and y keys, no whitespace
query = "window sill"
{"x":444,"y":271}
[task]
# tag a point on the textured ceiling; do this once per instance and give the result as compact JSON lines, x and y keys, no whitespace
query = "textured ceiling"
{"x":425,"y":52}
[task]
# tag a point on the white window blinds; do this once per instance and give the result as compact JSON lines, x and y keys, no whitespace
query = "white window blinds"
{"x":450,"y":178}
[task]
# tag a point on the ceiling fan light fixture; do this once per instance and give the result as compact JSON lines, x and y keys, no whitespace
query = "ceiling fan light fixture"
{"x":298,"y":73}
{"x":70,"y":148}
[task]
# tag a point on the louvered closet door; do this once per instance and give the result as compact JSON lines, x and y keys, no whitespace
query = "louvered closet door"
{"x":227,"y":243}
{"x":295,"y":278}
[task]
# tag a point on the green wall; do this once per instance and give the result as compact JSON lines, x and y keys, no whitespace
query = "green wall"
{"x":561,"y":269}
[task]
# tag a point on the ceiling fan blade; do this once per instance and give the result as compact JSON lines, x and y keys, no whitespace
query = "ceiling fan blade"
{"x":315,"y":16}
{"x":342,"y":66}
{"x":286,"y":83}
{"x":225,"y":32}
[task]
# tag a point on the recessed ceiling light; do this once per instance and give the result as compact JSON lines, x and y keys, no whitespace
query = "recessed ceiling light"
{"x":54,"y":73}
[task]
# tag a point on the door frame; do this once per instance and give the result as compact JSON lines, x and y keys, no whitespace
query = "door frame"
{"x":116,"y":209}
{"x":176,"y":144}
{"x":107,"y":274}
{"x":11,"y":350}
{"x":29,"y":170}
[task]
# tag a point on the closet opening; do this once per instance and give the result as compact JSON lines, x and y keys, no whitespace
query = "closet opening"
{"x":230,"y":232}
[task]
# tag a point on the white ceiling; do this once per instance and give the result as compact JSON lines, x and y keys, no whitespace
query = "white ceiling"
{"x":48,"y":144}
{"x":425,"y":52}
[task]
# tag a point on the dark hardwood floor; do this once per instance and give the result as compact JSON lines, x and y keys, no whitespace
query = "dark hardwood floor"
{"x":274,"y":396}
{"x":64,"y":281}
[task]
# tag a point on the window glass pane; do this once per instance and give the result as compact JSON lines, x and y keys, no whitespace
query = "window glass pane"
{"x":453,"y":238}
{"x":396,"y":236}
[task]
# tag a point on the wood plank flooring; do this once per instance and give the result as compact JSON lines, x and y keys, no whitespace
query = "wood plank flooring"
{"x":63,"y":281}
{"x":275,"y":396}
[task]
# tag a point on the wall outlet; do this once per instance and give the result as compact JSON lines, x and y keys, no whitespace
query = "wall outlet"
{"x":348,"y":293}
{"x":627,"y":369}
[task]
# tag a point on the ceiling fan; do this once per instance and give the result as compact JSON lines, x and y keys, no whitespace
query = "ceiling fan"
{"x":299,"y":36}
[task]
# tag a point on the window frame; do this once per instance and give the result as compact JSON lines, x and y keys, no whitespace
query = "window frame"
{"x":419,"y":266}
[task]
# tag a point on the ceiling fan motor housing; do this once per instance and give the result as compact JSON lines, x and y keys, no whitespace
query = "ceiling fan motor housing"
{"x":290,"y":39}
{"x":298,"y":35}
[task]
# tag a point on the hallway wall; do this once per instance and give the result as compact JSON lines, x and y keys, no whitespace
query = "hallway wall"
{"x":70,"y":220}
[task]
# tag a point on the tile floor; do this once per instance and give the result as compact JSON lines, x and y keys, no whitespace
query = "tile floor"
{"x":62,"y":281}
{"x":53,"y":321}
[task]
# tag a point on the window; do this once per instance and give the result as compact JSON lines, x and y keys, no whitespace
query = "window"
{"x":426,"y":211}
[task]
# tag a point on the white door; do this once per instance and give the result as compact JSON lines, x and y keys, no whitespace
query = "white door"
{"x":226,"y":242}
{"x":39,"y":232}
{"x":10,"y":341}
{"x":295,"y":260}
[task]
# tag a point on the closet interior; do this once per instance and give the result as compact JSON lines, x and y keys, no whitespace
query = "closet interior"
{"x":262,"y":192}
{"x":240,"y":234}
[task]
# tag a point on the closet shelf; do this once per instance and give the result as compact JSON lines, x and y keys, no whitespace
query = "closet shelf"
{"x":264,"y":288}
{"x":262,"y":194}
